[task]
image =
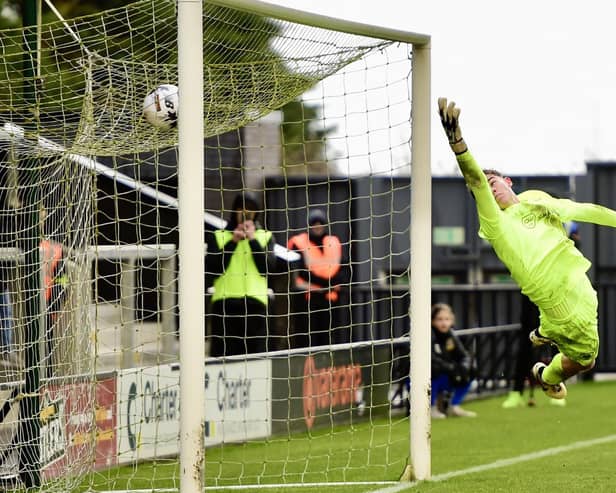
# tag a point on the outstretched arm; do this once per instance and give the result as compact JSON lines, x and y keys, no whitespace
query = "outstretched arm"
{"x":569,"y":210}
{"x":450,"y":119}
{"x":474,"y":177}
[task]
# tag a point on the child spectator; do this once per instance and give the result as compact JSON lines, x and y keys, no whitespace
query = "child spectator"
{"x":451,"y":364}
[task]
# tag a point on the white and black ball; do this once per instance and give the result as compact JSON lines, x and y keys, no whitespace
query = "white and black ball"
{"x":160,"y":107}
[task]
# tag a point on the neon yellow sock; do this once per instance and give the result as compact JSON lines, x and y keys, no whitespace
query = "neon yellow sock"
{"x":553,"y":373}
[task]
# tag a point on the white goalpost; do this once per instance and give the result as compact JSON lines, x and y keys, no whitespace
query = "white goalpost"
{"x":420,"y":288}
{"x":191,"y":253}
{"x":146,"y":345}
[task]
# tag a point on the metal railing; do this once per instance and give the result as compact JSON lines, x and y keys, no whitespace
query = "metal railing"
{"x":128,"y":257}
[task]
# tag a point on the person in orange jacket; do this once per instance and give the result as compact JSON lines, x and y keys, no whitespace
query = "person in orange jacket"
{"x":316,"y":279}
{"x":55,"y":284}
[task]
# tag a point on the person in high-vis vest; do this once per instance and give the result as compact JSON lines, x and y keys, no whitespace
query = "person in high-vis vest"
{"x":317,"y":279}
{"x":239,"y":258}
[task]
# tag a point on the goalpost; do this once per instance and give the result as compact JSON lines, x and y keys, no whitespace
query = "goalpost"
{"x":306,"y":113}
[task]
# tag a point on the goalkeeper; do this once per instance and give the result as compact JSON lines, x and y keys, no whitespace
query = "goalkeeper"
{"x":526,"y":232}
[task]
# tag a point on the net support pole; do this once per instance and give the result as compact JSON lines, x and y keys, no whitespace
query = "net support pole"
{"x":191,"y":295}
{"x":421,"y":258}
{"x":28,"y":242}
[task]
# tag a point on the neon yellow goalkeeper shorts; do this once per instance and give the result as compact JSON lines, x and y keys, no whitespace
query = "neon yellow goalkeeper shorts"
{"x":571,"y":322}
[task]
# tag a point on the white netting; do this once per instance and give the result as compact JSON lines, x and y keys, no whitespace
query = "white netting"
{"x":97,"y":70}
{"x":290,"y":112}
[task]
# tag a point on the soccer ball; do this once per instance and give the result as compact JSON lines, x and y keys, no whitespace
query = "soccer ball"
{"x":160,"y":107}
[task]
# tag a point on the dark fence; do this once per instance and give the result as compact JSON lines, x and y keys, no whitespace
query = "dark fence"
{"x":606,"y":362}
{"x":377,"y":312}
{"x":384,"y":313}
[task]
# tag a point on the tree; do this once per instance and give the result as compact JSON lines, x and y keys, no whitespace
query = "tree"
{"x":242,"y":41}
{"x":304,"y":139}
{"x":302,"y":134}
{"x":11,"y":10}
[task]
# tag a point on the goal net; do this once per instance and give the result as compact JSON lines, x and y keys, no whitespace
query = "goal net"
{"x":308,"y":148}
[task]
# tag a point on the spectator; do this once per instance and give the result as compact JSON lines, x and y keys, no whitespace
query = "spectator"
{"x":239,"y":258}
{"x":573,"y":231}
{"x":55,"y":284}
{"x":525,"y":357}
{"x":316,"y":278}
{"x":452,"y":368}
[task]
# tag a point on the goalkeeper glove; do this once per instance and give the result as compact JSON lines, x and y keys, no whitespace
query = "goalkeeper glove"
{"x":450,"y":115}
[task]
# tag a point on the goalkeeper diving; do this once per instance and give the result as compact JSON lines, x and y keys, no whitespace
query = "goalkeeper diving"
{"x":526,"y":231}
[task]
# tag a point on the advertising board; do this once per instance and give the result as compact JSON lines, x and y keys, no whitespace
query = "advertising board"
{"x":238,"y":407}
{"x":311,"y":390}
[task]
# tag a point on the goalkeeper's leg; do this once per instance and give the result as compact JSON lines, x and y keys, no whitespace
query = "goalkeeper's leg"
{"x":552,"y":377}
{"x":571,"y":323}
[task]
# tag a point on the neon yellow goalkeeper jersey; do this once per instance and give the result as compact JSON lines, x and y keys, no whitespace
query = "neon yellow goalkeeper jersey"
{"x":529,"y":237}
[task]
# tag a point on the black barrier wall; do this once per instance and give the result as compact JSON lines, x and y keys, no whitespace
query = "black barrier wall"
{"x":372,"y":216}
{"x":599,"y":245}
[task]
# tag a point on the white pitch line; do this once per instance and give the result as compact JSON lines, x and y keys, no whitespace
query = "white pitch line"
{"x":395,"y":487}
{"x":503,"y":463}
{"x":338,"y":484}
{"x":264,"y":486}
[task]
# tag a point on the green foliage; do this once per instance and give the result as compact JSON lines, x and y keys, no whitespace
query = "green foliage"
{"x":78,"y":8}
{"x":245,"y":41}
{"x":61,"y":58}
{"x":11,"y":10}
{"x":237,"y":37}
{"x":246,"y":76}
{"x":10,"y":13}
{"x":304,"y":139}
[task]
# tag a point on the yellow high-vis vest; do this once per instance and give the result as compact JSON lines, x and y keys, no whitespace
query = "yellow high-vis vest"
{"x":241,"y":277}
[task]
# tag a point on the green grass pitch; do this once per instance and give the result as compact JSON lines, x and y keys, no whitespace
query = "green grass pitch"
{"x":378,"y":451}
